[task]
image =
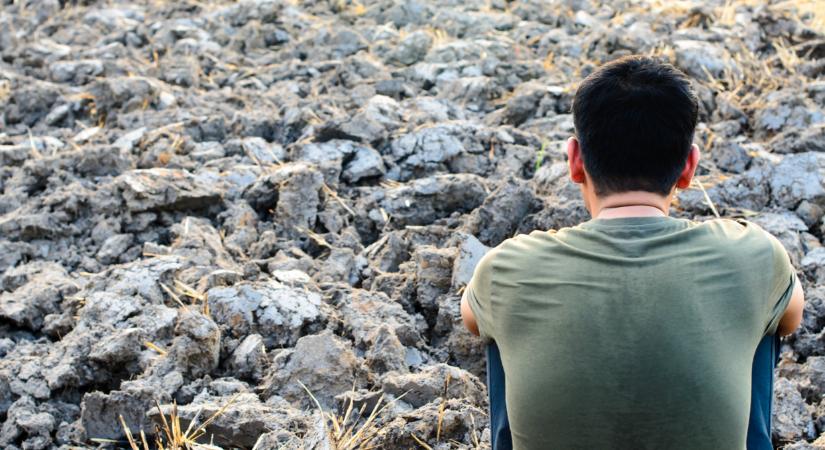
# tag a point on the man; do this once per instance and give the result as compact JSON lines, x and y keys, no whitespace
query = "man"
{"x":634,"y":329}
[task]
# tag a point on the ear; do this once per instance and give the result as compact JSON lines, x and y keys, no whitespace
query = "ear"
{"x":690,"y":168}
{"x":575,"y":163}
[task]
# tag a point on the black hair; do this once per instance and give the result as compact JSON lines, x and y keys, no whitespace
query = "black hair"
{"x":634,"y":120}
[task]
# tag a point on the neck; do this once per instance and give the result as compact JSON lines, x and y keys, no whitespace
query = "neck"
{"x":630,"y":204}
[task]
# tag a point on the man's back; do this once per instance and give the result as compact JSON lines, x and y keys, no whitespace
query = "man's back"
{"x":635,"y":333}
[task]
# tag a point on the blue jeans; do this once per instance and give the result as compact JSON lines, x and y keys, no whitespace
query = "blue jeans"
{"x":759,"y":427}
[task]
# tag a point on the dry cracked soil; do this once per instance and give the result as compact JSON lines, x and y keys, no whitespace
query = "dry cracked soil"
{"x":230,"y":205}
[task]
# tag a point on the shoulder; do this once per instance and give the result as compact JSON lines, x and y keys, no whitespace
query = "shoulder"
{"x":734,"y":229}
{"x":742,"y":237}
{"x":518,"y":248}
{"x":526,"y":242}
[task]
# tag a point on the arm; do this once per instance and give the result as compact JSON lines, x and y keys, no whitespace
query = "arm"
{"x":793,"y":313}
{"x":468,"y":317}
{"x":475,"y":300}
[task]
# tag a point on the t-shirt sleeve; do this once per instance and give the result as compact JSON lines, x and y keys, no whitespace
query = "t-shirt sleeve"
{"x":477,"y":294}
{"x":782,"y":281}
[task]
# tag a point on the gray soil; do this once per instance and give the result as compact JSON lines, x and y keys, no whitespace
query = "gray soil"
{"x":212,"y":201}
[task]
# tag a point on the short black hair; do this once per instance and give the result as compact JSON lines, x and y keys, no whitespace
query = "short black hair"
{"x":635,"y":118}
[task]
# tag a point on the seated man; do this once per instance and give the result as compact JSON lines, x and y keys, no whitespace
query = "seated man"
{"x":634,"y":329}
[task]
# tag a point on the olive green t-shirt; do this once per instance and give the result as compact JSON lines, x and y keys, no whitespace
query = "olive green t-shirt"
{"x":634,"y":333}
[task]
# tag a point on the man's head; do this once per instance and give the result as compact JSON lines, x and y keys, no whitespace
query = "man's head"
{"x":634,"y":120}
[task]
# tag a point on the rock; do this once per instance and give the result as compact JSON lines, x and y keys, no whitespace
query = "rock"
{"x":27,"y":423}
{"x":121,"y":348}
{"x":785,"y":109}
{"x":786,"y":227}
{"x":385,"y":352}
{"x":362,"y":161}
{"x":33,"y":291}
{"x":291,"y":191}
{"x":427,"y":199}
{"x":279,"y":313}
{"x":799,"y":177}
{"x":437,"y":381}
{"x":196,"y":348}
{"x":749,"y":190}
{"x":812,"y":384}
{"x":470,"y":252}
{"x":700,"y":59}
{"x":249,"y":359}
{"x":164,"y":189}
{"x":813,"y":318}
{"x":425,"y":150}
{"x":347,"y":42}
{"x":14,"y":154}
{"x":809,"y":139}
{"x":363,"y":313}
{"x":791,"y":416}
{"x":324,"y":363}
{"x":241,"y":421}
{"x":76,"y":72}
{"x":122,"y":93}
{"x":366,"y":163}
{"x":30,"y":104}
{"x":462,"y":349}
{"x":731,"y":157}
{"x":260,"y":150}
{"x":530,"y":100}
{"x":113,"y":248}
{"x":499,"y":216}
{"x":459,"y":422}
{"x":433,"y":273}
{"x":814,"y":263}
{"x":127,"y":141}
{"x":412,"y":48}
{"x":801,"y":445}
{"x":100,"y":412}
{"x":206,"y":151}
{"x":810,"y":213}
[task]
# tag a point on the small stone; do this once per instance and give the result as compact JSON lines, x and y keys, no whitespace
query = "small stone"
{"x":197,"y":346}
{"x":412,"y":48}
{"x":113,"y":248}
{"x":799,"y":177}
{"x":366,"y":163}
{"x":273,"y":310}
{"x":324,"y":363}
{"x":426,"y":199}
{"x":249,"y":358}
{"x":437,"y":381}
{"x":99,"y":412}
{"x":128,"y":141}
{"x":160,"y":189}
{"x":791,"y":416}
{"x":814,"y":263}
{"x":699,"y":58}
{"x":470,"y":252}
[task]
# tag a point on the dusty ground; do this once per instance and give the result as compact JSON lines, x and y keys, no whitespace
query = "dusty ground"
{"x":214,"y":202}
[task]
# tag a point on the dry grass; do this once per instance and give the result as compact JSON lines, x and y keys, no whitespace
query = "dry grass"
{"x":5,"y":90}
{"x":440,"y":421}
{"x":707,"y":197}
{"x":171,"y":435}
{"x":331,"y":192}
{"x":154,"y":347}
{"x":181,"y":289}
{"x":352,"y":431}
{"x":317,"y":238}
{"x":809,"y":12}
